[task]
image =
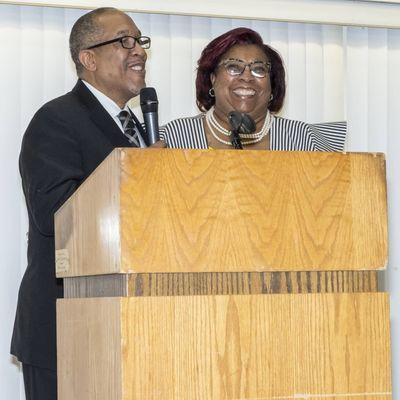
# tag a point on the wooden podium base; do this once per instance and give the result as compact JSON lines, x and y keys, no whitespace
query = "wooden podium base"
{"x":303,"y":346}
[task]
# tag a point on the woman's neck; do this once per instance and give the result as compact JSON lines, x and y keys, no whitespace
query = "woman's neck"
{"x":222,"y":119}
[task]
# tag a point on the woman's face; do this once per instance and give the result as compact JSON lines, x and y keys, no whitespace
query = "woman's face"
{"x":245,"y":93}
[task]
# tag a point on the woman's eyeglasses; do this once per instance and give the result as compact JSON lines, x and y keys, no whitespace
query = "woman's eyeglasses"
{"x":234,"y":67}
{"x":127,"y":42}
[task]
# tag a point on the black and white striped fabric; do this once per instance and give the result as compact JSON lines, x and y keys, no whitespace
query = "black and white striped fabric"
{"x":285,"y":134}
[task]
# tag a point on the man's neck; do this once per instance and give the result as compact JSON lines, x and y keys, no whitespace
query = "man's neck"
{"x":101,"y":93}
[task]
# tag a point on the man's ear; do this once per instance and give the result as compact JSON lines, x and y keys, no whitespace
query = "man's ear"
{"x":88,"y":59}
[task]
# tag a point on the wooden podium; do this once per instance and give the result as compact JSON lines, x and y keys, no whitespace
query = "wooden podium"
{"x":203,"y":274}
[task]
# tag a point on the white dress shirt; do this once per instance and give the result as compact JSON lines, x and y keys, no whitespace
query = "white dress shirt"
{"x":112,"y":108}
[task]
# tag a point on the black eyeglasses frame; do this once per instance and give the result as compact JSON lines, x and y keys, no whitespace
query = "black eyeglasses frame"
{"x":121,"y":41}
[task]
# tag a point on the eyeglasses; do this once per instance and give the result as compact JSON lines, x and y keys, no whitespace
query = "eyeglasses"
{"x":127,"y":42}
{"x":234,"y":67}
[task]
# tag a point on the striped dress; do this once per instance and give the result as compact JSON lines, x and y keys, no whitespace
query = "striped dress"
{"x":285,"y":134}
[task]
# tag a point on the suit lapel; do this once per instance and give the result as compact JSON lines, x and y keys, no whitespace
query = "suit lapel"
{"x":100,"y":116}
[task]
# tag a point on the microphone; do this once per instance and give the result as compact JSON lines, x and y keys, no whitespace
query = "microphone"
{"x":240,"y":123}
{"x":149,"y":106}
{"x":235,"y":120}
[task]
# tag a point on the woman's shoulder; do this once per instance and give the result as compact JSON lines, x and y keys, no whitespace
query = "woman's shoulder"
{"x":186,"y":132}
{"x":289,"y":124}
{"x":183,"y":122}
{"x":300,"y":135}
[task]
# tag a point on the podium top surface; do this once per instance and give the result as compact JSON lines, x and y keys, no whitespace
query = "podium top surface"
{"x":165,"y":210}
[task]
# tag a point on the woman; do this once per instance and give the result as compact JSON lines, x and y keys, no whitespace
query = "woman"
{"x":238,"y":72}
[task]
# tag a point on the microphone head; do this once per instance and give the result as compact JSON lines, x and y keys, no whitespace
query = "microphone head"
{"x":248,"y":124}
{"x":235,"y":120}
{"x":148,"y":100}
{"x":241,"y":122}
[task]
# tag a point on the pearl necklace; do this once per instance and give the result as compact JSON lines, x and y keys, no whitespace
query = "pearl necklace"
{"x":251,"y":138}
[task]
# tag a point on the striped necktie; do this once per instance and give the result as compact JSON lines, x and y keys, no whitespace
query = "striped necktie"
{"x":130,"y":129}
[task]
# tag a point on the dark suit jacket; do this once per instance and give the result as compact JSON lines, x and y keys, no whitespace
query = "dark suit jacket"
{"x":65,"y":141}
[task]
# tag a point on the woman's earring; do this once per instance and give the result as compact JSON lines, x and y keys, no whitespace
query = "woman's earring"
{"x":211,"y":92}
{"x":271,"y":97}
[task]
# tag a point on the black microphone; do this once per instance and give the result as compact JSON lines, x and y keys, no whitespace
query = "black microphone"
{"x":235,"y":120}
{"x":240,"y":123}
{"x":149,"y":106}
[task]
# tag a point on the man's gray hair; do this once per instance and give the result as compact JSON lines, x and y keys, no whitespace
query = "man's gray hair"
{"x":85,"y":33}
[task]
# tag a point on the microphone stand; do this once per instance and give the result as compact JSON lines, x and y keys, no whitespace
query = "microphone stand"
{"x":235,"y":120}
{"x":236,"y":141}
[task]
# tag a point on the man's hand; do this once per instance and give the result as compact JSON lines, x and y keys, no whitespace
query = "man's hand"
{"x":158,"y":145}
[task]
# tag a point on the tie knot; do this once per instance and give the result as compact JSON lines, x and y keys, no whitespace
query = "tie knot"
{"x":124,"y":116}
{"x":130,"y":129}
{"x":128,"y":124}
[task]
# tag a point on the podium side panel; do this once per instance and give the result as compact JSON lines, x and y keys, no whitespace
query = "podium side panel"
{"x":89,"y":349}
{"x":87,"y":226}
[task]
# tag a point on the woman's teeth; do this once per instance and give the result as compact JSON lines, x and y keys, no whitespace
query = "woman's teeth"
{"x":244,"y":92}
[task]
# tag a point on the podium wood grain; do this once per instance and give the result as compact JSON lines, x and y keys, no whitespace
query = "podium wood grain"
{"x":225,"y":211}
{"x":329,"y":346}
{"x":202,"y":283}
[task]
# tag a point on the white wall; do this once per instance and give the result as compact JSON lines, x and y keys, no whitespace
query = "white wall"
{"x":334,"y":73}
{"x":12,"y":246}
{"x":371,"y":13}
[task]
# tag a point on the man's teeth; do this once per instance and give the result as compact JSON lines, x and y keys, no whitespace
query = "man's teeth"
{"x":244,"y":92}
{"x":137,"y":67}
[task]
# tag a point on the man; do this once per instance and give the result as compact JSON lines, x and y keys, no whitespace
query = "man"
{"x":65,"y":141}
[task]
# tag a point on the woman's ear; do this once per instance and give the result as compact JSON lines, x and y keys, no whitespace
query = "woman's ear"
{"x":212,"y":78}
{"x":88,"y":60}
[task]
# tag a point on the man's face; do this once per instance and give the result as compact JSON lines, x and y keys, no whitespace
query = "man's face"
{"x":118,"y":73}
